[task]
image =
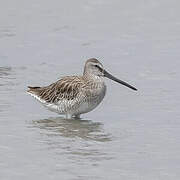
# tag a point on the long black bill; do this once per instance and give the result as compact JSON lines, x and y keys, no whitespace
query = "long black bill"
{"x":106,"y":74}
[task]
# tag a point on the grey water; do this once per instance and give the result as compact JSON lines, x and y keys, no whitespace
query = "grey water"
{"x":131,"y":135}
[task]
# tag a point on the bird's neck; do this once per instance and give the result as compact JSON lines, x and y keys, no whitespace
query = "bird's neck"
{"x":94,"y":78}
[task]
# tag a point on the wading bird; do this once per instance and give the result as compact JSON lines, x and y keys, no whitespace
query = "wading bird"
{"x":76,"y":95}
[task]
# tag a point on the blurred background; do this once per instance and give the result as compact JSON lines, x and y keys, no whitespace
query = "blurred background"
{"x":131,"y":135}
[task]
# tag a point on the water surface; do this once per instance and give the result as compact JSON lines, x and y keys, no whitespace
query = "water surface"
{"x":131,"y":135}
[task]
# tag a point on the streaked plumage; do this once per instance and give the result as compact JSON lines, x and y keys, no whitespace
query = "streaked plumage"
{"x":75,"y":95}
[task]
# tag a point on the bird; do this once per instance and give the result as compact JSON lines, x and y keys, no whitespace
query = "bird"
{"x":75,"y":95}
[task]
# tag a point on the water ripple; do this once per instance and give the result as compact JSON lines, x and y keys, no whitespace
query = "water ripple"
{"x":73,"y":128}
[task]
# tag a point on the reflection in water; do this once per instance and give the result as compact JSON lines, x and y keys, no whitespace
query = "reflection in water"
{"x":85,"y":129}
{"x":76,"y":140}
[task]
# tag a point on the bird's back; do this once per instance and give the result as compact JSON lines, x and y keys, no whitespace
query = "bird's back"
{"x":65,"y":88}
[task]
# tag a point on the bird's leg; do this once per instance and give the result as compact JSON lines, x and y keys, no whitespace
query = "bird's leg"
{"x":68,"y":116}
{"x":77,"y":116}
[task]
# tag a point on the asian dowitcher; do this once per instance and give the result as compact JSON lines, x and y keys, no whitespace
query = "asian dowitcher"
{"x":76,"y":95}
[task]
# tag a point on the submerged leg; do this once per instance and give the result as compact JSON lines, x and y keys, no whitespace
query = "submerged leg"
{"x":68,"y":116}
{"x":77,"y":116}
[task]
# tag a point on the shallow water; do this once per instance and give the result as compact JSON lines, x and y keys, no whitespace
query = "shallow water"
{"x":131,"y":135}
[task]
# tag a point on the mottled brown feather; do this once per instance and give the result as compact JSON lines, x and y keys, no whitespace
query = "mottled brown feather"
{"x":65,"y":88}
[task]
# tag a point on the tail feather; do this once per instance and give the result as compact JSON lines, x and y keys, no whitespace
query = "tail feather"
{"x":30,"y":87}
{"x":33,"y":89}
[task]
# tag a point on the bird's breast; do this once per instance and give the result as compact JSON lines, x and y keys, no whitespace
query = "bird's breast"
{"x":93,"y":98}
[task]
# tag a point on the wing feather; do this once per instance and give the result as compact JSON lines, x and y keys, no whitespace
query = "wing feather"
{"x":66,"y":88}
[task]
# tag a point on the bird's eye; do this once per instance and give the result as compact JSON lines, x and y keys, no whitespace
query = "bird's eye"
{"x":99,"y":67}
